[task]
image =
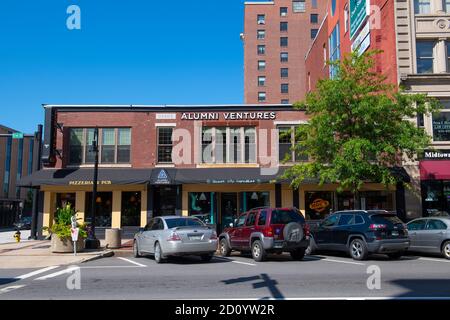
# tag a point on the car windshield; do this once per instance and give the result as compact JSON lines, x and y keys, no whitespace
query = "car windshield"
{"x":183,"y":222}
{"x":286,"y":216}
{"x":386,"y":219}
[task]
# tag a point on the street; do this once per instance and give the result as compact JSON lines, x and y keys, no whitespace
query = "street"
{"x":237,"y":277}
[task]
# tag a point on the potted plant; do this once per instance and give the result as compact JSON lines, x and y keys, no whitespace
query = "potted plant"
{"x":61,"y":234}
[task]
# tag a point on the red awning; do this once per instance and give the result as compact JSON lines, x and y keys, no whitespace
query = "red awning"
{"x":435,"y":170}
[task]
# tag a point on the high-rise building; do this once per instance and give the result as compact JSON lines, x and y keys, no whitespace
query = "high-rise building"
{"x":277,"y":35}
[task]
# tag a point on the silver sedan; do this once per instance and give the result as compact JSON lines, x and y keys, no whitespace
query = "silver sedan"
{"x":430,"y":235}
{"x":170,"y":236}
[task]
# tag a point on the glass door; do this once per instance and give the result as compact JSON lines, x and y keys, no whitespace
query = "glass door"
{"x":229,"y":209}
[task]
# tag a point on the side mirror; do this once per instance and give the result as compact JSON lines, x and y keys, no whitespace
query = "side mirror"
{"x":141,"y":230}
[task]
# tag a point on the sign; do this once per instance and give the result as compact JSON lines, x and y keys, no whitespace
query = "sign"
{"x":436,"y":155}
{"x":166,"y":116}
{"x":362,"y":41}
{"x":17,"y":135}
{"x":319,"y":205}
{"x":359,"y":11}
{"x":441,"y":126}
{"x":89,"y":183}
{"x":233,"y":181}
{"x":75,"y":232}
{"x":229,"y":116}
{"x":163,"y":177}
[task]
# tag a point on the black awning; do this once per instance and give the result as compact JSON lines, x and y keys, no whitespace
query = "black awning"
{"x":85,"y":176}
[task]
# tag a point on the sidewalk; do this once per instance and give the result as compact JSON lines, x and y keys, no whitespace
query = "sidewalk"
{"x":7,"y":236}
{"x":36,"y":254}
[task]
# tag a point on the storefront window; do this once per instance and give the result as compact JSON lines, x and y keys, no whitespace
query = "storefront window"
{"x":436,"y":198}
{"x":64,"y":199}
{"x":318,"y":204}
{"x":441,"y":126}
{"x":203,"y":205}
{"x":253,"y":199}
{"x":165,"y":198}
{"x":346,"y":201}
{"x":131,"y":209}
{"x":104,"y":209}
{"x":377,"y":200}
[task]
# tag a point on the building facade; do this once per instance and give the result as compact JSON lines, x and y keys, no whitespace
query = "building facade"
{"x":213,"y":162}
{"x":18,"y":158}
{"x":276,"y":38}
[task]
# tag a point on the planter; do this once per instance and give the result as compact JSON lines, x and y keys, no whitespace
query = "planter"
{"x":65,"y":245}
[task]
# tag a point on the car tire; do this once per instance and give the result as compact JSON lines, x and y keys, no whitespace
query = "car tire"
{"x":158,"y":253}
{"x":136,"y":252}
{"x":207,"y":257}
{"x":311,"y":248}
{"x":358,"y":249}
{"x":225,"y":250}
{"x":258,"y":251}
{"x":395,"y":255}
{"x":446,"y":250}
{"x":298,"y":254}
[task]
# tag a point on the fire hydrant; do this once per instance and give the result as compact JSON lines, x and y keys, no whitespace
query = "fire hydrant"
{"x":17,"y":236}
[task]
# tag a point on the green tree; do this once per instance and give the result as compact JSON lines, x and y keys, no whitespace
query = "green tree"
{"x":358,"y":128}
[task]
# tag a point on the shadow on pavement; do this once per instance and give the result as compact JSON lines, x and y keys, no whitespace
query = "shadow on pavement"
{"x":4,"y":281}
{"x":190,"y":260}
{"x":372,"y":257}
{"x":264,"y":281}
{"x":421,"y":288}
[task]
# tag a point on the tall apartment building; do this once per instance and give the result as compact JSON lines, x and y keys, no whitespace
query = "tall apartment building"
{"x":17,"y":160}
{"x":276,"y":37}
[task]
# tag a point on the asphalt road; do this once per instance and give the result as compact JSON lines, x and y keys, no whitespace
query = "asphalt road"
{"x":239,"y":277}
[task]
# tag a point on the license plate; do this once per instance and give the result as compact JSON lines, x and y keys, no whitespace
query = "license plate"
{"x":195,"y":238}
{"x":395,"y":233}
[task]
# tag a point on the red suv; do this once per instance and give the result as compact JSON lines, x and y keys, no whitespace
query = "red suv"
{"x":267,"y":230}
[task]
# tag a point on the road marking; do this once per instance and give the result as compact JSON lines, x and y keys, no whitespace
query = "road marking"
{"x":435,"y":260}
{"x":133,"y":262}
{"x":35,"y":273}
{"x":237,"y":262}
{"x":12,"y":288}
{"x":346,"y":262}
{"x":56,"y":274}
{"x":110,"y":267}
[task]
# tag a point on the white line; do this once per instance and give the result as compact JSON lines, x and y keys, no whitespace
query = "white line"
{"x":238,"y":262}
{"x":35,"y":273}
{"x":56,"y":274}
{"x":133,"y":262}
{"x":110,"y":267}
{"x":435,"y":260}
{"x":12,"y":288}
{"x":346,"y":262}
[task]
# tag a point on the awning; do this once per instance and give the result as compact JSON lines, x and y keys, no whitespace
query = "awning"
{"x":85,"y":176}
{"x":435,"y":170}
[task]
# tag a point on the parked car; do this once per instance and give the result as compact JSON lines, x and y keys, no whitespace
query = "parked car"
{"x":361,"y":232}
{"x":170,"y":236}
{"x":430,"y":235}
{"x":23,"y":224}
{"x":267,"y":230}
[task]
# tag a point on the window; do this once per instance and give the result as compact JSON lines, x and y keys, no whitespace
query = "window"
{"x":108,"y":145}
{"x":261,"y":81}
{"x":241,"y":221}
{"x":284,"y":57}
{"x":425,"y":57}
{"x":314,"y":4}
{"x":359,"y":219}
{"x":417,"y":225}
{"x":298,"y":6}
{"x":287,"y":138}
{"x":165,"y":145}
{"x":124,"y":145}
{"x":422,"y":6}
{"x":131,"y":209}
{"x":7,"y":176}
{"x":19,"y":165}
{"x":331,"y":221}
{"x":284,"y":88}
{"x":283,"y":26}
{"x":314,"y":33}
{"x":346,"y":220}
{"x":284,"y":72}
{"x":285,"y":216}
{"x":262,"y":218}
{"x":261,"y":19}
{"x":283,"y":11}
{"x":251,"y":219}
{"x":261,"y":65}
{"x":434,"y":224}
{"x":30,"y":157}
{"x":76,"y":146}
{"x":325,"y":58}
{"x":261,"y":49}
{"x":334,"y":44}
{"x":309,"y":81}
{"x":241,"y":147}
{"x":447,"y":43}
{"x":446,"y":6}
{"x":318,"y":204}
{"x":441,"y":126}
{"x":314,"y":18}
{"x":284,"y":101}
{"x":261,"y":97}
{"x":261,"y":35}
{"x":346,"y":18}
{"x":284,"y":41}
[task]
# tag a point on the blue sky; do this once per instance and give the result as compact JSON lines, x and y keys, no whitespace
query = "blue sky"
{"x":127,"y":52}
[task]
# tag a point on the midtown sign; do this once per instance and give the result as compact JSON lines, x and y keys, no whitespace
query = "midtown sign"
{"x":436,"y":155}
{"x":229,"y":116}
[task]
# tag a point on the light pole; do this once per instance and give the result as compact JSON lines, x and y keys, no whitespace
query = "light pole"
{"x":92,"y":242}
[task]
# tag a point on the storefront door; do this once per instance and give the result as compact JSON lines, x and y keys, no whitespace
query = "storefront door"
{"x":229,"y":209}
{"x":165,"y":201}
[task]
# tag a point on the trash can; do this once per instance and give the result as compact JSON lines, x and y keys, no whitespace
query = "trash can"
{"x":113,"y":238}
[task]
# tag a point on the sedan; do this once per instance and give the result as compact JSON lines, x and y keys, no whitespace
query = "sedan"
{"x":169,"y":236}
{"x":430,"y":235}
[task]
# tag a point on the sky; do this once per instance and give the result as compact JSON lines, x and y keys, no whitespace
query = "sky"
{"x":126,"y":52}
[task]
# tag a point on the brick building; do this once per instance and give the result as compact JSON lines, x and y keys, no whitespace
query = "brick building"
{"x":276,"y":37}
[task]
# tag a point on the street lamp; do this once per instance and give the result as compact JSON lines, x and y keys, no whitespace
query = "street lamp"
{"x":92,"y":242}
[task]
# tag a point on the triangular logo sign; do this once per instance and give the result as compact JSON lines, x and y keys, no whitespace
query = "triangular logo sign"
{"x":162,"y":175}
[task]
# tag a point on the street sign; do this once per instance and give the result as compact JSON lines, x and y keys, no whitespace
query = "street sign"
{"x":17,"y":135}
{"x":359,"y":11}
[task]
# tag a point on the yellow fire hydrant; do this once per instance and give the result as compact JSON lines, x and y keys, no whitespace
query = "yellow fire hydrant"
{"x":17,"y":236}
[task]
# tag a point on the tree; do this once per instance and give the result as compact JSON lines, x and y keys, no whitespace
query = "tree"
{"x":358,"y":128}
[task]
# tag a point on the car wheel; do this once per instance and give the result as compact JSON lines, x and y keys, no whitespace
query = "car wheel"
{"x":311,"y":248}
{"x":358,"y":249}
{"x":158,"y":253}
{"x":258,"y":251}
{"x":298,"y":254}
{"x":225,"y":250}
{"x":395,"y":255}
{"x":136,"y":252}
{"x":207,"y":257}
{"x":446,"y":250}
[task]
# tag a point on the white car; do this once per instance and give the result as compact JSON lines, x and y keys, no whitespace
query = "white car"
{"x":170,"y":236}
